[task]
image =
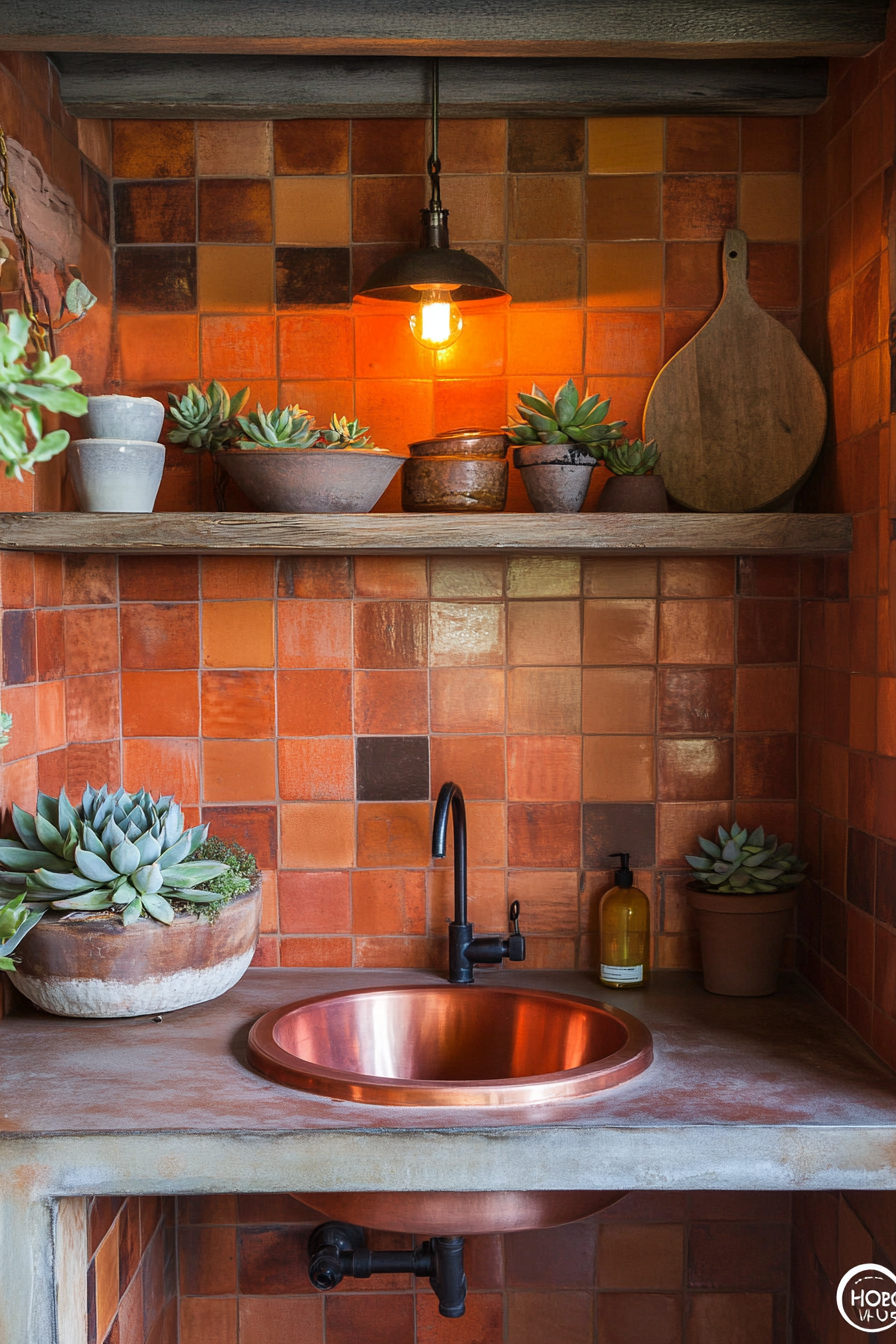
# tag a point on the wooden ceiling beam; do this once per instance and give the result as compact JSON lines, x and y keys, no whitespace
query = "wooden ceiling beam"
{"x":677,"y":29}
{"x":234,"y":87}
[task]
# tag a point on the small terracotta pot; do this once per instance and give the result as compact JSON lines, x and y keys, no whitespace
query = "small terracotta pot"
{"x":741,"y":939}
{"x":98,"y":967}
{"x":454,"y":485}
{"x":633,"y":494}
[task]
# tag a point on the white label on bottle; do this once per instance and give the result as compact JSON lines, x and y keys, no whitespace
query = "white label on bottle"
{"x":630,"y":974}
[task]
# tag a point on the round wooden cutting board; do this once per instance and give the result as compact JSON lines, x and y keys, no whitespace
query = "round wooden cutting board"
{"x":739,"y":413}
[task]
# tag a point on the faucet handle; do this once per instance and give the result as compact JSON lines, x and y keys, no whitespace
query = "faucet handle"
{"x":516,"y":943}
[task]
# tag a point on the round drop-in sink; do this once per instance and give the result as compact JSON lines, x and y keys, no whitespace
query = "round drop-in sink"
{"x":448,"y":1045}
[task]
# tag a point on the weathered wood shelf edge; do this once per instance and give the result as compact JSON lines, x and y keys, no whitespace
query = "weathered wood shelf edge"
{"x":400,"y":533}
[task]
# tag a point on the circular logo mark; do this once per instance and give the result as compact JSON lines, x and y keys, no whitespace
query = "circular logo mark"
{"x":866,"y":1298}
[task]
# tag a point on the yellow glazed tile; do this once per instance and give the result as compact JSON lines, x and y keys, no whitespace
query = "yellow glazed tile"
{"x":312,"y":211}
{"x":456,"y":576}
{"x":466,"y":634}
{"x":542,"y":576}
{"x":619,"y":576}
{"x":235,"y":279}
{"x":625,"y":275}
{"x":625,"y":144}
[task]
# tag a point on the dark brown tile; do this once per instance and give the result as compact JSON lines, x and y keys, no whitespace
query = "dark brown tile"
{"x":557,"y":1257}
{"x":19,"y":662}
{"x":695,"y":769}
{"x":693,"y":276}
{"x":392,"y":769}
{"x":50,"y":645}
{"x":129,"y":1247}
{"x":155,"y":279}
{"x":623,"y":207}
{"x":767,"y":631}
{"x":207,"y":1257}
{"x":273,"y":1209}
{"x":387,"y":209}
{"x":235,"y":210}
{"x":95,"y":200}
{"x":390,"y":634}
{"x":766,"y":766}
{"x":699,"y":207}
{"x":768,"y":576}
{"x":153,"y":148}
{"x":696,"y":700}
{"x":89,"y":580}
{"x":619,"y":827}
{"x":544,"y":835}
{"x":702,"y":145}
{"x":366,"y":257}
{"x":313,"y":147}
{"x":315,"y":576}
{"x":376,"y":1318}
{"x":313,"y":275}
{"x":624,"y":1318}
{"x":774,"y":274}
{"x":770,"y":144}
{"x":860,"y":869}
{"x":155,"y":212}
{"x":255,"y":828}
{"x":158,"y":578}
{"x":885,"y":883}
{"x":549,"y":145}
{"x":273,"y":1260}
{"x":739,"y":1256}
{"x":394,"y":146}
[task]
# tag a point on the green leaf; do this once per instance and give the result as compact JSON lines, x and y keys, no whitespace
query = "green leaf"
{"x":94,"y":900}
{"x":125,"y":857}
{"x":25,"y":927}
{"x":147,"y":879}
{"x":132,"y":911}
{"x":566,"y":404}
{"x":185,"y":874}
{"x":71,"y":882}
{"x":709,"y":848}
{"x":21,"y":860}
{"x":92,"y":866}
{"x":698,"y":861}
{"x":25,"y":828}
{"x":48,"y":835}
{"x":158,"y":907}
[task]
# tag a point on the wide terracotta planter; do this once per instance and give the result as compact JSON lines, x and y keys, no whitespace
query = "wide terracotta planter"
{"x":633,"y":494}
{"x":741,"y":939}
{"x":311,"y":480}
{"x":556,"y":475}
{"x":97,"y":967}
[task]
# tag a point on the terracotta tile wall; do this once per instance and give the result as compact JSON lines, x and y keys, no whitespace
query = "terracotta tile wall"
{"x":668,"y":1268}
{"x":832,"y":1233}
{"x":312,"y":709}
{"x":848,"y":674}
{"x":131,"y":1276}
{"x":239,"y":245}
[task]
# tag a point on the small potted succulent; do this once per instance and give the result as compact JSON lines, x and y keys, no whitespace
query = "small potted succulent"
{"x":744,"y":901}
{"x":633,"y":486}
{"x":286,"y":464}
{"x":559,"y":443}
{"x":207,"y":422}
{"x":126,"y":911}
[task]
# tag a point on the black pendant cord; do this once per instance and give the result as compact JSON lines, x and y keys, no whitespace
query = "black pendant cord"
{"x":434,"y":165}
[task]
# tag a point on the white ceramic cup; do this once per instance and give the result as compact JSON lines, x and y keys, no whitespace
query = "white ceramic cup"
{"x":136,"y":419}
{"x":116,"y":475}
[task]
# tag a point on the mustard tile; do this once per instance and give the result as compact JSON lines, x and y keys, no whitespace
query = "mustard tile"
{"x":312,"y":211}
{"x":625,"y":144}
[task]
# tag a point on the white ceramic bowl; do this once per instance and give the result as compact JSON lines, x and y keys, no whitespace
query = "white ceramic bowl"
{"x":125,"y":418}
{"x":116,"y":475}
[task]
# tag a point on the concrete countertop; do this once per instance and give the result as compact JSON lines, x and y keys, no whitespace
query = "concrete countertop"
{"x":772,"y":1093}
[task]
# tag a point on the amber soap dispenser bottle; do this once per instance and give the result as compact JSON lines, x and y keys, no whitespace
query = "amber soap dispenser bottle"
{"x":624,"y":932}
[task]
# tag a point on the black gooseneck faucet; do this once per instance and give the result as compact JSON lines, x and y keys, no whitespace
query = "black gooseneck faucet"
{"x":463,"y":949}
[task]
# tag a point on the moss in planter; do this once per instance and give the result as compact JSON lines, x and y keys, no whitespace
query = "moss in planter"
{"x":243,"y":871}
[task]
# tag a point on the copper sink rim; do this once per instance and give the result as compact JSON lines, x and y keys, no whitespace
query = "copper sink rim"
{"x":270,"y":1059}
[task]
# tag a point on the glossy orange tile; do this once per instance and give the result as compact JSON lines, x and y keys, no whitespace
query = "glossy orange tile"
{"x":91,"y":707}
{"x":314,"y":703}
{"x":696,"y":631}
{"x":202,"y":1319}
{"x":21,"y":703}
{"x":159,"y":704}
{"x":390,"y":576}
{"x":544,"y":835}
{"x":621,"y":576}
{"x":238,"y":347}
{"x":159,"y":347}
{"x":238,"y":704}
{"x":618,"y":769}
{"x":710,"y":576}
{"x":544,"y":699}
{"x":231,"y":576}
{"x":467,"y":700}
{"x":316,"y":767}
{"x":625,"y":275}
{"x":544,"y":769}
{"x":91,"y":641}
{"x":623,"y":343}
{"x":162,"y":765}
{"x":388,"y":901}
{"x":50,"y":714}
{"x":238,"y":634}
{"x":620,"y":631}
{"x":236,"y":771}
{"x":475,"y":763}
{"x":314,"y":633}
{"x":391,"y":834}
{"x":317,"y":835}
{"x":316,"y":345}
{"x":626,"y":144}
{"x":314,"y":902}
{"x":543,"y":632}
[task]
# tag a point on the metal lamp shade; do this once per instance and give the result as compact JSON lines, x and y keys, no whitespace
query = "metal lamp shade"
{"x":469,"y":277}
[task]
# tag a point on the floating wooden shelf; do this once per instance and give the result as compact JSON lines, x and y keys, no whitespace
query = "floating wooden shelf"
{"x":446,"y":534}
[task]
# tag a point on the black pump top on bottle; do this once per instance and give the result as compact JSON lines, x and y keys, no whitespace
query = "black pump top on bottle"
{"x":624,"y":876}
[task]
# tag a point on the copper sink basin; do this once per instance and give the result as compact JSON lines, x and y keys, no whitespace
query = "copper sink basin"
{"x":445,"y":1045}
{"x":461,"y":1213}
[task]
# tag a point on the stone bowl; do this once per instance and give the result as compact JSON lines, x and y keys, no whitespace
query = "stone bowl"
{"x":311,"y":480}
{"x":117,"y":417}
{"x":116,"y":475}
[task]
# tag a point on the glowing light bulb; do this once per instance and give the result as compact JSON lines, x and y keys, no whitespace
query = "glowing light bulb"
{"x":436,"y":322}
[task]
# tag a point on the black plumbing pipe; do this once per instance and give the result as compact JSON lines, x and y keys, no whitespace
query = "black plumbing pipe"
{"x":337,"y":1250}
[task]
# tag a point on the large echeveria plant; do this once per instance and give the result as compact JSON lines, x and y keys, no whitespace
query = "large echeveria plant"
{"x":115,"y":851}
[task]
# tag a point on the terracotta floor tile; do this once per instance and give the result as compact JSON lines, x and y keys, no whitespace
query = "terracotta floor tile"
{"x":238,"y":634}
{"x":620,"y":631}
{"x":237,"y":704}
{"x":294,"y":1320}
{"x":464,"y":700}
{"x":543,"y":632}
{"x":618,"y":769}
{"x":237,"y":771}
{"x":388,"y":902}
{"x":475,"y":763}
{"x":544,"y":699}
{"x":619,"y":700}
{"x":466,"y":634}
{"x":316,"y":767}
{"x":317,"y":835}
{"x":314,"y":703}
{"x":314,"y":634}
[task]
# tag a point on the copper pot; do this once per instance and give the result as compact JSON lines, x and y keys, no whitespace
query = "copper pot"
{"x":462,"y":443}
{"x":460,"y":471}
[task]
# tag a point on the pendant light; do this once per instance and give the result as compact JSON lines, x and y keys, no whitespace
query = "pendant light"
{"x":435,"y":277}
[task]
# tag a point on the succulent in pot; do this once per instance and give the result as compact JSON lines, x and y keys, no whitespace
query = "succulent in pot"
{"x":207,"y":422}
{"x":559,"y":443}
{"x":286,"y":464}
{"x":743,"y":900}
{"x":633,"y":486}
{"x":119,"y":881}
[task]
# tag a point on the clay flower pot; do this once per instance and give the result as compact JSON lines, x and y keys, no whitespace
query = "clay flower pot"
{"x":311,"y":480}
{"x":95,"y":966}
{"x":556,"y":475}
{"x":741,"y":939}
{"x":633,"y":494}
